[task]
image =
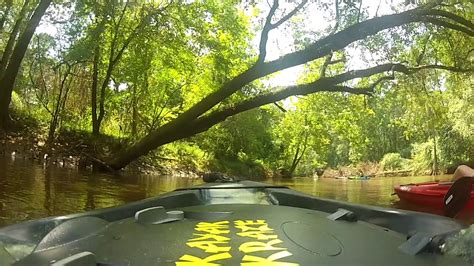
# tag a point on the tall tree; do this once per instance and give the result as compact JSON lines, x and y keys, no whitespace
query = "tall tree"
{"x":120,"y":24}
{"x":7,"y":81}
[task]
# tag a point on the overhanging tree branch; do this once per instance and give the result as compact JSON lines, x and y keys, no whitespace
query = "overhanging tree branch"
{"x":204,"y":123}
{"x":322,"y":85}
{"x":186,"y":121}
{"x":314,"y":51}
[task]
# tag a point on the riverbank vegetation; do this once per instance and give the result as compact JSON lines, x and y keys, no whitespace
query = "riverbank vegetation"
{"x":190,"y":85}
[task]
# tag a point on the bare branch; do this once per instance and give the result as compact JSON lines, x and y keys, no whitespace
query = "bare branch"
{"x":394,"y":67}
{"x":262,"y":47}
{"x":280,"y":107}
{"x":449,"y":25}
{"x":325,"y":65}
{"x":337,"y":61}
{"x":371,"y":88}
{"x":469,"y":52}
{"x":270,"y":26}
{"x":329,"y":56}
{"x":378,"y":7}
{"x":452,"y":16}
{"x":360,"y":73}
{"x":359,"y":11}
{"x":116,"y":30}
{"x":329,"y":62}
{"x":290,"y":14}
{"x":442,"y":67}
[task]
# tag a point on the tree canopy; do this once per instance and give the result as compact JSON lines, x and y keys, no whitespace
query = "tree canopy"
{"x":374,"y":78}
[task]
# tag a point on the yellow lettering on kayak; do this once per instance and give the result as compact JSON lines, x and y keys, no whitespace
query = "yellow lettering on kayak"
{"x":220,"y":224}
{"x":271,"y":260}
{"x":209,"y":246}
{"x":246,"y":225}
{"x":212,"y":242}
{"x":209,"y":236}
{"x":255,"y":246}
{"x":216,"y":228}
{"x":210,"y":230}
{"x":189,"y":260}
{"x":260,"y":230}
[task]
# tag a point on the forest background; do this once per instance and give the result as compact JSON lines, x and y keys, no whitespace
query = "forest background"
{"x":91,"y":83}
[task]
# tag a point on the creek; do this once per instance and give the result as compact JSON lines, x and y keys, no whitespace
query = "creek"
{"x":31,"y":191}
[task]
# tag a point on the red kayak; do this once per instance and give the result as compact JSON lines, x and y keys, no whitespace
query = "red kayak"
{"x":430,"y":194}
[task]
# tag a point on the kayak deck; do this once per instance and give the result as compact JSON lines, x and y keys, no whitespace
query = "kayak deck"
{"x":228,"y":224}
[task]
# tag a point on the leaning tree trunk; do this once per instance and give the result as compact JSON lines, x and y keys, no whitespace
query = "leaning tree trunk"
{"x":192,"y":120}
{"x":8,"y":80}
{"x":7,"y":52}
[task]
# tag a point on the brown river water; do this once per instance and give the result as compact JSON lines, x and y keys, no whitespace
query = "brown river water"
{"x":31,"y":191}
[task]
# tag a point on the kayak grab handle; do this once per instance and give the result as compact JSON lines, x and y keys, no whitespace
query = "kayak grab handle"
{"x":422,"y":241}
{"x":343,"y":214}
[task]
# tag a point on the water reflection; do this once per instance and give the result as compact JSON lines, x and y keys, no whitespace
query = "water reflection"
{"x":29,"y":191}
{"x":376,"y":191}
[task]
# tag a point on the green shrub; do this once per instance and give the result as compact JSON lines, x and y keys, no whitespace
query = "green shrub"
{"x":394,"y":161}
{"x":254,"y":170}
{"x":186,"y":154}
{"x":422,"y":157}
{"x":17,"y":102}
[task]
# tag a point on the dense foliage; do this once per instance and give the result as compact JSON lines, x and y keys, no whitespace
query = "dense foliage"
{"x":145,"y":70}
